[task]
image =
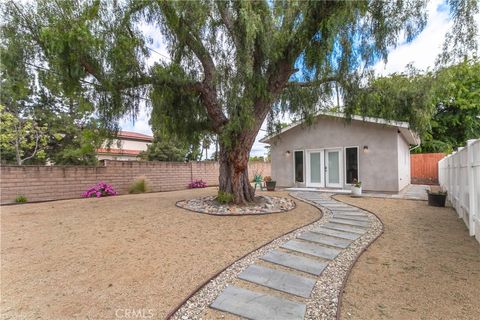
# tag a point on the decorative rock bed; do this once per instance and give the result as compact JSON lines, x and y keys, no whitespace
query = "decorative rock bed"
{"x":262,"y":205}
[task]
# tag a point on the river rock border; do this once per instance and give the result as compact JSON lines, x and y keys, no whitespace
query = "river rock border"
{"x":208,"y":205}
{"x":324,"y":301}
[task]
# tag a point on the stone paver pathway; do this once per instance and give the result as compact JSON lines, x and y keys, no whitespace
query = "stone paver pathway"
{"x":291,"y":271}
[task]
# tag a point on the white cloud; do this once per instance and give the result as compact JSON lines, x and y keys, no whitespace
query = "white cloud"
{"x":140,"y":124}
{"x":424,"y":49}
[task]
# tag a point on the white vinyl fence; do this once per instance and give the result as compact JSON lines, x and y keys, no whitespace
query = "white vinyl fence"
{"x":459,"y":174}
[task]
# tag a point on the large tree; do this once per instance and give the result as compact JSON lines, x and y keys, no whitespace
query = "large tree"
{"x":232,"y":63}
{"x":442,"y":105}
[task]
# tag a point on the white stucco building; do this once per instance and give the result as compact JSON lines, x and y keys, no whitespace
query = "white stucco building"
{"x":127,"y":146}
{"x":332,"y":152}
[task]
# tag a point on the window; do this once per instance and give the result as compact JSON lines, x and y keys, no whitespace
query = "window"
{"x":298,"y":155}
{"x":351,"y":164}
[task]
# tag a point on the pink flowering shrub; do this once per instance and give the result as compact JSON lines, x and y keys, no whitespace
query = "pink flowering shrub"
{"x":100,"y":190}
{"x":197,"y":184}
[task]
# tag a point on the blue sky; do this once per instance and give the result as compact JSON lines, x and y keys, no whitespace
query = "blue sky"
{"x":421,"y":52}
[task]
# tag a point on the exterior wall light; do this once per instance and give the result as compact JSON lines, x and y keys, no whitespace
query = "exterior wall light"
{"x":287,"y":152}
{"x":365,"y":149}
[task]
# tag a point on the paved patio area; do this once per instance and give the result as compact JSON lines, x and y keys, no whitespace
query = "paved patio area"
{"x":410,"y":192}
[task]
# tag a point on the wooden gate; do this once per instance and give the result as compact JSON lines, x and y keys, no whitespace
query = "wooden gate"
{"x":424,"y":167}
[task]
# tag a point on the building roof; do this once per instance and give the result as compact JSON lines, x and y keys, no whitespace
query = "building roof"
{"x":410,"y":136}
{"x":134,"y":136}
{"x":111,"y":151}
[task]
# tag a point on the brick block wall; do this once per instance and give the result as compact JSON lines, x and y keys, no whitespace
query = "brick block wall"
{"x":41,"y":183}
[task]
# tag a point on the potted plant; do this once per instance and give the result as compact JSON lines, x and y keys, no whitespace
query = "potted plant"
{"x":357,"y":188}
{"x":270,"y":183}
{"x":437,"y":198}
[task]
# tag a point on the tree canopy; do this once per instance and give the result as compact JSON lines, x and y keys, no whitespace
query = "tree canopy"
{"x":442,"y":105}
{"x":232,"y":62}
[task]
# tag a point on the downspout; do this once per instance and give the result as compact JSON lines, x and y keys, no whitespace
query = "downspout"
{"x":415,"y":147}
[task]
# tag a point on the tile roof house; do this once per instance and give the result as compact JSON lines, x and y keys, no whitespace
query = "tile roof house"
{"x":332,"y":152}
{"x":127,"y":146}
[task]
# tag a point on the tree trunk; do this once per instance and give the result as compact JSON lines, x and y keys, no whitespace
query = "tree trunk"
{"x":234,"y":173}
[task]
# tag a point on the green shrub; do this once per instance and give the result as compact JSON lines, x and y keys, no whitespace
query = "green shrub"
{"x":138,"y":186}
{"x":225,"y":197}
{"x":21,"y":199}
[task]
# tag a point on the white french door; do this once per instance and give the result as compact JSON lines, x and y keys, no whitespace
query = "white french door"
{"x":315,"y":168}
{"x":324,"y":168}
{"x":333,"y":168}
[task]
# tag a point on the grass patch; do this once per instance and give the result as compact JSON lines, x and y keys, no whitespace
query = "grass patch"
{"x":21,"y":199}
{"x":225,"y":197}
{"x":138,"y":186}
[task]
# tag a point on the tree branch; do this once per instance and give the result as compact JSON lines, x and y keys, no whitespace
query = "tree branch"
{"x":37,"y":137}
{"x":207,"y":88}
{"x":227,"y":21}
{"x":313,"y":83}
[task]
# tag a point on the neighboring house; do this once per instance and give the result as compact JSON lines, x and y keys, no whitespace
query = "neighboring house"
{"x":332,"y":152}
{"x":127,"y":146}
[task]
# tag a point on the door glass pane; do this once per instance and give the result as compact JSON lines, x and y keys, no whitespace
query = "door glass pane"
{"x":315,"y":176}
{"x":333,"y":167}
{"x":298,"y":166}
{"x":351,"y":164}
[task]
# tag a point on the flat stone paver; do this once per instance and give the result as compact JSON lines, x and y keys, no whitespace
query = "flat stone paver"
{"x":336,"y":205}
{"x":313,"y":249}
{"x":343,"y":209}
{"x":363,"y":224}
{"x":350,"y":217}
{"x":279,"y":280}
{"x":337,"y":233}
{"x":343,"y":227}
{"x":325,"y":239}
{"x":295,"y":262}
{"x":351,"y":212}
{"x":258,"y":306}
{"x":324,"y":202}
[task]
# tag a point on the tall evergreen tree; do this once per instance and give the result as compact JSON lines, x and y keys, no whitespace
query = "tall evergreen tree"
{"x":233,"y":62}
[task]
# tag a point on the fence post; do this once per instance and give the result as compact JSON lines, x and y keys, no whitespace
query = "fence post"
{"x":472,"y":210}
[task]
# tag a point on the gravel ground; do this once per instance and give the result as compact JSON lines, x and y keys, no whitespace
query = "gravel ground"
{"x":100,"y":258}
{"x":323,"y":303}
{"x":424,"y":266}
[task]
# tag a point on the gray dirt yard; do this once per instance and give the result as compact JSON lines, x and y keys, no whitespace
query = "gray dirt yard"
{"x":106,"y":258}
{"x":424,"y":266}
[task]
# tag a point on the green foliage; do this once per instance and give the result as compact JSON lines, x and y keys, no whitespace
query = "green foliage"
{"x":169,"y":147}
{"x":21,"y":199}
{"x":404,"y":96}
{"x":21,"y":139}
{"x":257,"y":158}
{"x":442,"y":105}
{"x":225,"y":197}
{"x":41,"y":105}
{"x":456,"y":119}
{"x":138,"y":186}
